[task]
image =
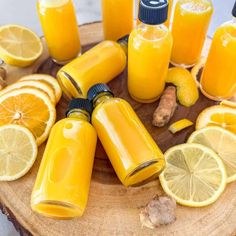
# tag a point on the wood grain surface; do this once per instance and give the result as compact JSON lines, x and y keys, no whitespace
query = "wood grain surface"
{"x":113,"y":209}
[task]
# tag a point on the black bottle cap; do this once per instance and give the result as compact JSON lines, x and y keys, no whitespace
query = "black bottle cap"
{"x":234,"y":10}
{"x":97,"y":89}
{"x":153,"y":12}
{"x":80,"y":103}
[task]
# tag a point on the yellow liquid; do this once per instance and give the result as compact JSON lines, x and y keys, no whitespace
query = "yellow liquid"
{"x":218,"y":79}
{"x":189,"y":29}
{"x":60,"y":29}
{"x":133,"y":153}
{"x":118,"y":18}
{"x":148,"y":61}
{"x":62,"y":185}
{"x":100,"y":64}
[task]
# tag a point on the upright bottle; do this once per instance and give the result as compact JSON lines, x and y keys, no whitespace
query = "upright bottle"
{"x":100,"y":64}
{"x":60,"y":28}
{"x":118,"y":18}
{"x":218,"y":80}
{"x":149,"y":51}
{"x":62,"y":184}
{"x":133,"y":153}
{"x":189,"y":29}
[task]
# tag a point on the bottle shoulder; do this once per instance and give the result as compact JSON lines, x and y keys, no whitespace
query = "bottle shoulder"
{"x":52,"y":3}
{"x":150,"y":33}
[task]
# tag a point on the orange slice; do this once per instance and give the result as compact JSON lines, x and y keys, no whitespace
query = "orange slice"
{"x":47,"y":79}
{"x":218,"y":115}
{"x":28,"y":107}
{"x":31,"y":84}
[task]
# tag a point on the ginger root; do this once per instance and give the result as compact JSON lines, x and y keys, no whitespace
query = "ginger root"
{"x":3,"y":75}
{"x":159,"y":211}
{"x":166,"y":108}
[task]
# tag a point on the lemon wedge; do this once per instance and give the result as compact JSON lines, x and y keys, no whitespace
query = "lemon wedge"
{"x":180,"y":125}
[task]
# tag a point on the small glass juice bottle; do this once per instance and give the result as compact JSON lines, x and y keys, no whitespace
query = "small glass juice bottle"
{"x":189,"y":29}
{"x":218,"y":80}
{"x":62,"y":184}
{"x":118,"y":18}
{"x":149,"y":51}
{"x":133,"y":153}
{"x":60,"y":29}
{"x":100,"y":64}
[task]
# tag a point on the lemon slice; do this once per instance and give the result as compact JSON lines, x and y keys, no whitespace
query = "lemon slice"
{"x":28,"y":107}
{"x":223,"y":143}
{"x":18,"y":151}
{"x":194,"y":175}
{"x":228,"y":104}
{"x":19,"y":46}
{"x":219,"y":115}
{"x":32,"y":84}
{"x":47,"y":79}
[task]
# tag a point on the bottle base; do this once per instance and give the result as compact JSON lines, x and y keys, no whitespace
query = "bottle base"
{"x":62,"y":63}
{"x":185,"y":66}
{"x":144,"y":100}
{"x":57,"y":210}
{"x":211,"y":97}
{"x":144,"y":173}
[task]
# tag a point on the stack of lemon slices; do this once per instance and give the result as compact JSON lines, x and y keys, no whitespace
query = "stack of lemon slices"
{"x":197,"y":172}
{"x":27,"y":114}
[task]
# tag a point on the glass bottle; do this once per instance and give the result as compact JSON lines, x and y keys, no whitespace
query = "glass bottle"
{"x":133,"y":153}
{"x":62,"y":185}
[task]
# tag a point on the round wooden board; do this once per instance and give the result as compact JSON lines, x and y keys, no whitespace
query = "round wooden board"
{"x":113,"y":209}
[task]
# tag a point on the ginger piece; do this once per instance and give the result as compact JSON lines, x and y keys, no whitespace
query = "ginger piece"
{"x":166,"y":108}
{"x":159,"y":211}
{"x":3,"y":75}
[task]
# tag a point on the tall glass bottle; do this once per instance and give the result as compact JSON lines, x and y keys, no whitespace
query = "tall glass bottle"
{"x":189,"y":29}
{"x":133,"y":153}
{"x":118,"y":18}
{"x":218,"y":79}
{"x":150,"y":45}
{"x":60,"y":28}
{"x":62,"y":185}
{"x":100,"y":64}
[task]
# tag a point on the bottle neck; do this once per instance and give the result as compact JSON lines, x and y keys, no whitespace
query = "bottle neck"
{"x":124,"y":43}
{"x":102,"y":97}
{"x":53,"y":3}
{"x":79,"y":114}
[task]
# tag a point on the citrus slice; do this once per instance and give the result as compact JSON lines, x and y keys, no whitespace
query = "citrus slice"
{"x":218,"y":115}
{"x":187,"y":88}
{"x":31,"y":84}
{"x":28,"y":107}
{"x":194,"y":175}
{"x":18,"y":151}
{"x":228,"y":103}
{"x":180,"y":125}
{"x":47,"y":79}
{"x":223,"y":143}
{"x":19,"y":46}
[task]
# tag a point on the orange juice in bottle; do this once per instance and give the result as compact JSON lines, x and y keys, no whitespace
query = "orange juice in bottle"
{"x":118,"y":18}
{"x":218,"y":80}
{"x":149,"y":51}
{"x":133,"y":153}
{"x":60,"y":29}
{"x":189,"y":29}
{"x":62,"y":185}
{"x":100,"y":64}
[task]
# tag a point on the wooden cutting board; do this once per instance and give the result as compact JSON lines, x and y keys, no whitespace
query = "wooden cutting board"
{"x":113,"y":209}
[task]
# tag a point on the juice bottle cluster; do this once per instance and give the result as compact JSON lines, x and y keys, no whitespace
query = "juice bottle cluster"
{"x":62,"y":185}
